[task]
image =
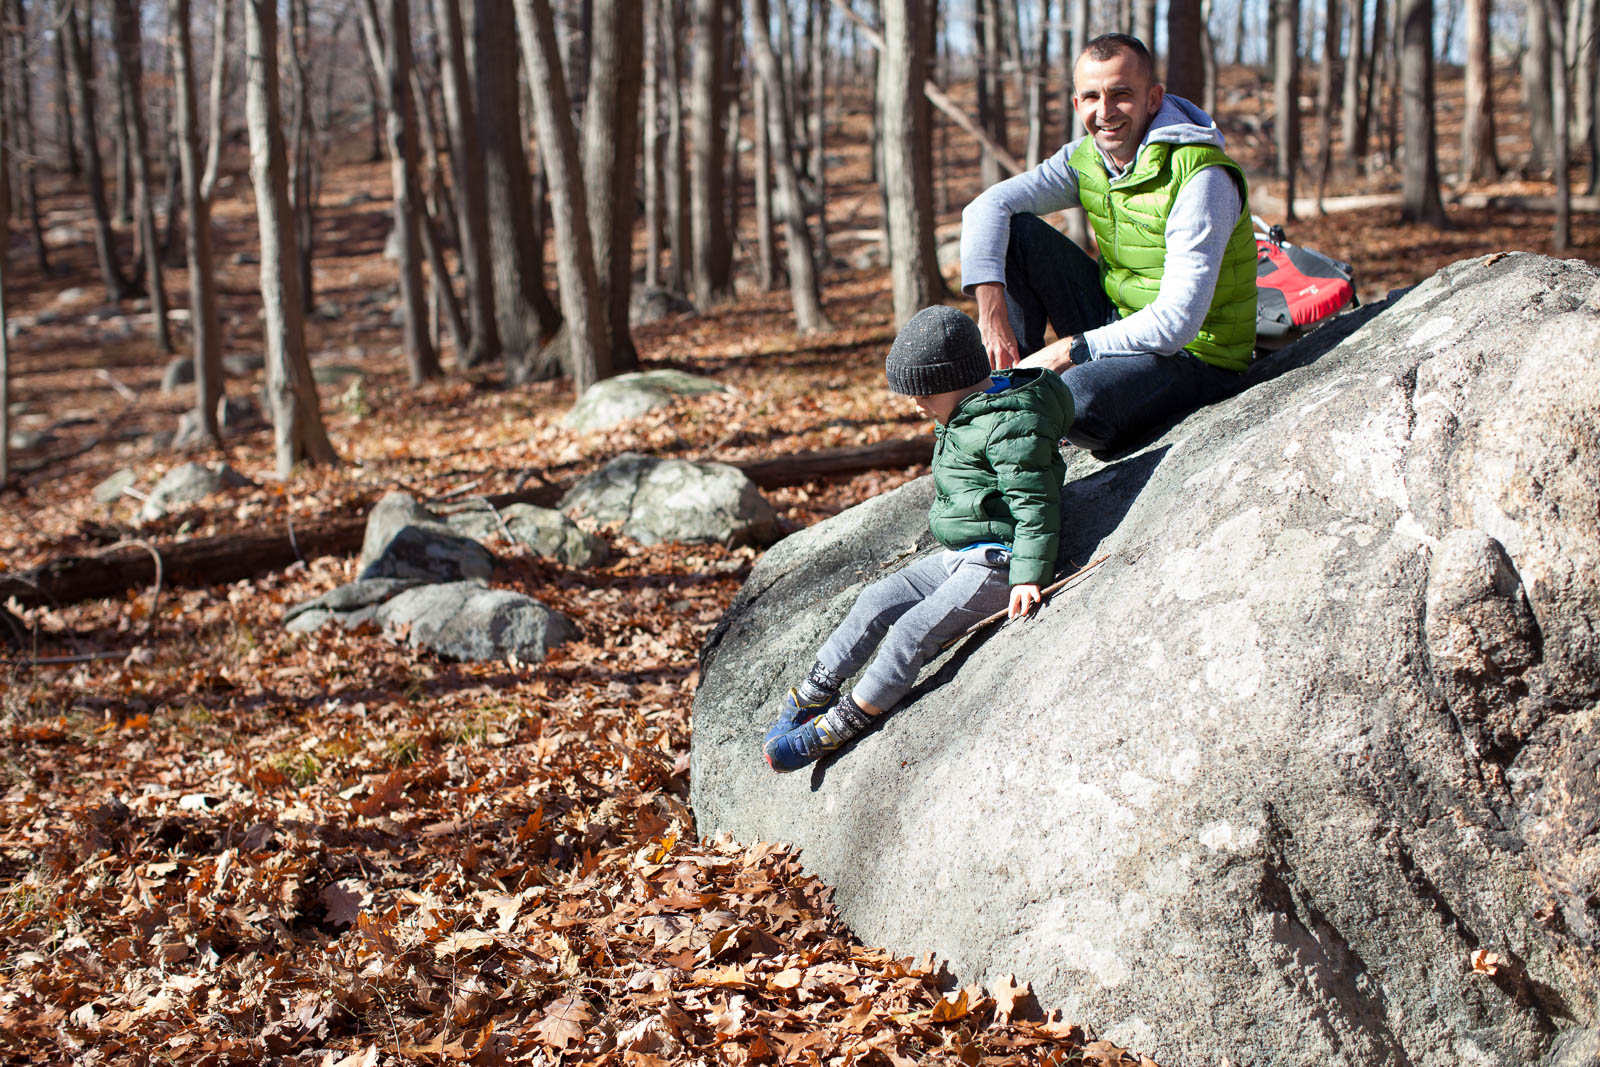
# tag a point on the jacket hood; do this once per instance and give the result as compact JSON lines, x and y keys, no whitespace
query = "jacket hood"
{"x":1181,"y":122}
{"x":1032,"y":389}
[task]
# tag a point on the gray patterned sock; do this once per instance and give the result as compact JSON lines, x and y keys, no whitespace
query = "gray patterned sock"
{"x":820,"y":685}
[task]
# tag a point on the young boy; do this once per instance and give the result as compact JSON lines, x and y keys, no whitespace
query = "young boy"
{"x":997,"y":473}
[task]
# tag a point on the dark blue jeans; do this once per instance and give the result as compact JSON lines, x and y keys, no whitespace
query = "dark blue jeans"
{"x":1116,"y":400}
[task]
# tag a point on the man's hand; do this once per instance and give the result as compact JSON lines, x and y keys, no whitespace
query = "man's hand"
{"x":998,"y":340}
{"x":1056,"y":356}
{"x":1024,"y":598}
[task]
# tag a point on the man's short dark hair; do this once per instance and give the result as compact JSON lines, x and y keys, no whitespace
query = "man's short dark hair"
{"x":1107,"y":45}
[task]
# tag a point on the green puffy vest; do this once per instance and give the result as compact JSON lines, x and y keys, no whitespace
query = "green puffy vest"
{"x":1129,"y":216}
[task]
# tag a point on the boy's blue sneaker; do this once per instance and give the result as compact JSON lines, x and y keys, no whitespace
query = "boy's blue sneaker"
{"x":796,"y":713}
{"x":816,"y":738}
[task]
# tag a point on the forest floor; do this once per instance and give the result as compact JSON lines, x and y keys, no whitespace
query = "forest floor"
{"x":220,"y":842}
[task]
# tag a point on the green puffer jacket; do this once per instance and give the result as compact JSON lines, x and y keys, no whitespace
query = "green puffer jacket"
{"x":997,"y":472}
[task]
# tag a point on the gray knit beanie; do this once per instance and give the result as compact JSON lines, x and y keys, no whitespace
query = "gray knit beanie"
{"x":938,"y":351}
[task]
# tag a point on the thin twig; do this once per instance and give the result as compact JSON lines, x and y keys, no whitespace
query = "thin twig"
{"x":1044,"y":595}
{"x":155,"y":590}
{"x":54,"y":661}
{"x":122,"y":390}
{"x":458,"y":491}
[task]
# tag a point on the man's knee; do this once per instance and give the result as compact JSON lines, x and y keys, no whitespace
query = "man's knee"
{"x":1029,"y":229}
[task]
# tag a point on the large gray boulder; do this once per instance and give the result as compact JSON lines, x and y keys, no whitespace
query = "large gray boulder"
{"x":459,"y":620}
{"x":675,"y":500}
{"x":546,"y":530}
{"x":465,"y":621}
{"x":1319,"y":735}
{"x":405,"y":540}
{"x":350,"y":604}
{"x":189,"y":483}
{"x":614,"y":400}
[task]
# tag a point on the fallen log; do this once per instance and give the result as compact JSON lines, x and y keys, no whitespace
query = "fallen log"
{"x":229,"y":557}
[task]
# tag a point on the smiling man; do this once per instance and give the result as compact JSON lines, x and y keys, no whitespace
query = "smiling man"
{"x":1165,"y":322}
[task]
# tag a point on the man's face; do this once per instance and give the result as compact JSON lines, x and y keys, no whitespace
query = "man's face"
{"x":1115,"y":99}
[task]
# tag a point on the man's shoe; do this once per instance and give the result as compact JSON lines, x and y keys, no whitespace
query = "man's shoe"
{"x":811,"y":740}
{"x":795,"y":713}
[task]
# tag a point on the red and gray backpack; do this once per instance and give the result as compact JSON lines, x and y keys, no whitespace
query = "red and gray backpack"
{"x":1296,"y":289}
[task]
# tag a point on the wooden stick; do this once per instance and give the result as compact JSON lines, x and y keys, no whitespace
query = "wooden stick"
{"x":1044,"y":595}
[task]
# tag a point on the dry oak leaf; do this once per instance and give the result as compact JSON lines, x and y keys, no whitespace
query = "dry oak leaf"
{"x":1008,"y":992}
{"x":343,"y":906}
{"x":365,"y":1058}
{"x":950,"y":1007}
{"x":563,"y":1021}
{"x":1486,"y":962}
{"x":786,"y":979}
{"x":463,"y":941}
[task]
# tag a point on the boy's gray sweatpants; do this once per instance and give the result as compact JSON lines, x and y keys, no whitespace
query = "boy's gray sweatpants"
{"x":926,"y":604}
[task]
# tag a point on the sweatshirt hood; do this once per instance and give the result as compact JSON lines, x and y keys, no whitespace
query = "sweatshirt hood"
{"x":1181,"y":122}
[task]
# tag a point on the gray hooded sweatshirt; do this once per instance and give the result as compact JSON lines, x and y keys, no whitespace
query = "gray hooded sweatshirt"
{"x":1203,"y":217}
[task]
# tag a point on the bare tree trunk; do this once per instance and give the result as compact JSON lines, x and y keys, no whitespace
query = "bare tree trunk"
{"x":1327,"y":94}
{"x":1144,"y":23}
{"x":79,"y":50}
{"x":991,"y":87}
{"x":908,"y":186}
{"x":653,"y":213}
{"x":219,"y":96}
{"x":1186,"y":68}
{"x":1350,"y":117}
{"x":581,"y":305}
{"x":1560,"y":107}
{"x":301,"y":137}
{"x":204,"y":325}
{"x":803,"y":288}
{"x":466,"y":161}
{"x":610,"y":133}
{"x":731,"y":94}
{"x":1479,"y":160}
{"x":1392,"y":75}
{"x":1038,"y":94}
{"x":1420,"y":191}
{"x":1594,"y":103}
{"x":1538,"y":85}
{"x":121,"y":139}
{"x":297,"y":420}
{"x":402,"y":118}
{"x":66,"y":135}
{"x":677,"y":169}
{"x":1373,"y":83}
{"x":766,"y":239}
{"x":22,"y":60}
{"x":1286,"y":77}
{"x":1011,"y":42}
{"x":524,"y":314}
{"x":1581,"y":43}
{"x":5,"y":385}
{"x":708,"y":217}
{"x":788,"y":63}
{"x":130,"y":68}
{"x":819,"y":125}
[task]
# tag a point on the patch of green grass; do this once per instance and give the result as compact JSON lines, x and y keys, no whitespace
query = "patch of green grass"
{"x":402,"y":751}
{"x":301,"y":768}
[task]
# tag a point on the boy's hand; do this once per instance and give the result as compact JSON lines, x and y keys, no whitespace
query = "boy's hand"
{"x":1024,"y":598}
